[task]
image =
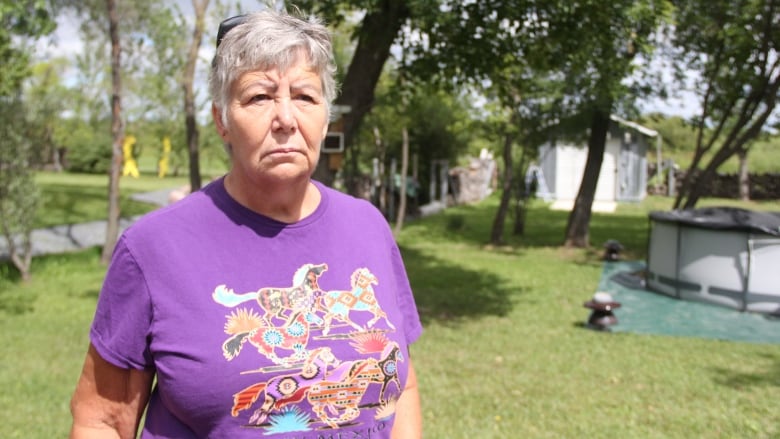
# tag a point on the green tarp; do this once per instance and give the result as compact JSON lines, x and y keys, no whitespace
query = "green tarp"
{"x":645,"y":312}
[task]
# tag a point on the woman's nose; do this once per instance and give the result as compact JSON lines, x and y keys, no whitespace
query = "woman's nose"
{"x":284,"y":119}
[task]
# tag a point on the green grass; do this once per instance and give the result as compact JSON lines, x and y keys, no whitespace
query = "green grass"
{"x":68,"y":198}
{"x":44,"y":325}
{"x":503,"y":355}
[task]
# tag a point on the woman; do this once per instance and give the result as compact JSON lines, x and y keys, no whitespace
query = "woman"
{"x":264,"y":305}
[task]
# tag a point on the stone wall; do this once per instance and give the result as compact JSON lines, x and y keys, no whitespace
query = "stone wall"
{"x":762,"y":186}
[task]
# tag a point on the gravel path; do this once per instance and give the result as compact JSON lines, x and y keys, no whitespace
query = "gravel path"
{"x":74,"y":237}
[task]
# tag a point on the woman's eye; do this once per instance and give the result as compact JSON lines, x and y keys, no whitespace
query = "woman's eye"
{"x":306,"y":98}
{"x":260,"y":98}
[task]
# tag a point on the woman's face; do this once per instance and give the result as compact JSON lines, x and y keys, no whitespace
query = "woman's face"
{"x":275,"y":123}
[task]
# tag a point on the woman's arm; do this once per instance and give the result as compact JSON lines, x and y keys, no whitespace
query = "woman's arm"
{"x":408,"y":415}
{"x":108,"y":401}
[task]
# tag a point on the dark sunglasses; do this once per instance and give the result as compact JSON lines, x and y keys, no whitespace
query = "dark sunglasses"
{"x":228,"y":24}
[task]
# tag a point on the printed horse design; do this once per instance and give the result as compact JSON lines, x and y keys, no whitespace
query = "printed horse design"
{"x":284,"y":389}
{"x":338,"y":304}
{"x":301,"y":296}
{"x":345,"y":395}
{"x":293,"y":335}
{"x":384,"y":370}
{"x":337,"y":396}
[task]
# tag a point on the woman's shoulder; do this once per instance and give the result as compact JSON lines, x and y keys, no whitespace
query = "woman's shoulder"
{"x":343,"y":201}
{"x":188,"y":211}
{"x":362,"y":212}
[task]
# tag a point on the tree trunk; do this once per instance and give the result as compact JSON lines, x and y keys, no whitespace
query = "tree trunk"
{"x":117,"y":133}
{"x":577,"y":229}
{"x":379,"y":182}
{"x":521,"y":198}
{"x":744,"y":177}
{"x":521,"y":207}
{"x":378,"y":32}
{"x":399,"y":221}
{"x":21,"y":258}
{"x":188,"y":79}
{"x":497,"y":232}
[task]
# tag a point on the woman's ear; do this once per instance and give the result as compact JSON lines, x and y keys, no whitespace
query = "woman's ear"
{"x":325,"y":129}
{"x":216,"y":114}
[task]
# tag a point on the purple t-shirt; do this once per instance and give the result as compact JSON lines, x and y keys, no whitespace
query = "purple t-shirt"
{"x":257,"y":328}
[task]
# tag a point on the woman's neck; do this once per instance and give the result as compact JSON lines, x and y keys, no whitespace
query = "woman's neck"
{"x":286,"y":202}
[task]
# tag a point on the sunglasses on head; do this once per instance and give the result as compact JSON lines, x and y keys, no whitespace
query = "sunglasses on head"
{"x":228,"y":24}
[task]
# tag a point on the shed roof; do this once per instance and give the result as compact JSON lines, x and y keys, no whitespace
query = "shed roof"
{"x":642,"y":129}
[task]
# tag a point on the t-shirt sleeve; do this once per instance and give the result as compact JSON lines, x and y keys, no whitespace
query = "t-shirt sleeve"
{"x":121,"y":327}
{"x":412,"y":324}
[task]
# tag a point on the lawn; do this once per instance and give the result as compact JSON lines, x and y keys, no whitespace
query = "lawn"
{"x":75,"y":198}
{"x":503,"y":355}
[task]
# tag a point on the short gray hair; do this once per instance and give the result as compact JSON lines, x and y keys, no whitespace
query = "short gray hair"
{"x":271,"y":39}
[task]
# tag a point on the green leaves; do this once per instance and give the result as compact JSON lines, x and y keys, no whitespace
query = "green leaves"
{"x":20,"y":22}
{"x":18,"y":194}
{"x":731,"y":48}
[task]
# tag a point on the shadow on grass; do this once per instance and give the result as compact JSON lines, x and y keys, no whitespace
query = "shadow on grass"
{"x":741,"y":380}
{"x":447,"y":292}
{"x":78,"y":203}
{"x":14,"y":299}
{"x":78,"y":274}
{"x":546,"y":227}
{"x":472,"y":224}
{"x":91,"y":294}
{"x":14,"y":302}
{"x":72,"y":201}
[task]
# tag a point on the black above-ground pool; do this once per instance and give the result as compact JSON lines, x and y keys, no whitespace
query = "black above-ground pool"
{"x":721,"y":255}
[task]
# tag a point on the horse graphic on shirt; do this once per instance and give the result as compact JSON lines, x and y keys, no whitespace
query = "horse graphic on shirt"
{"x":246,"y":326}
{"x":337,"y":401}
{"x":301,"y":296}
{"x":282,"y":390}
{"x":338,"y":304}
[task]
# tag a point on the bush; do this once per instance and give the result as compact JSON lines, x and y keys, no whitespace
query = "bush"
{"x":91,"y":155}
{"x":87,"y":144}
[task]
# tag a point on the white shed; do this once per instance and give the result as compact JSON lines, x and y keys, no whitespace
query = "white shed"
{"x":623,"y":175}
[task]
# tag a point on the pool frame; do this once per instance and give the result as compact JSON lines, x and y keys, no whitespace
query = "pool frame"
{"x":734,"y":268}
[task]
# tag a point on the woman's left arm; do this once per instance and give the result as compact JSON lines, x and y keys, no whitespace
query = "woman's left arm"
{"x":408,"y":414}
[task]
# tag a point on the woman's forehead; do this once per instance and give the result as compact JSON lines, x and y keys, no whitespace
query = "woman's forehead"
{"x":296,"y":75}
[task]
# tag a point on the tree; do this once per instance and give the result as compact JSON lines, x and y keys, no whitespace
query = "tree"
{"x":43,"y":95}
{"x":438,"y":129}
{"x":446,"y":28}
{"x":399,"y":219}
{"x":594,"y":45}
{"x":117,"y":133}
{"x":585,"y":43}
{"x":84,"y":130}
{"x":497,"y":230}
{"x":481,"y":47}
{"x":18,"y":192}
{"x":22,"y":22}
{"x":188,"y":79}
{"x":731,"y":49}
{"x":376,"y":33}
{"x":135,"y":16}
{"x":509,"y":52}
{"x":22,"y":19}
{"x":159,"y":85}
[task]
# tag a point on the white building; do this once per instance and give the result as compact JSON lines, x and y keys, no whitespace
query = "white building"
{"x":623,"y":175}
